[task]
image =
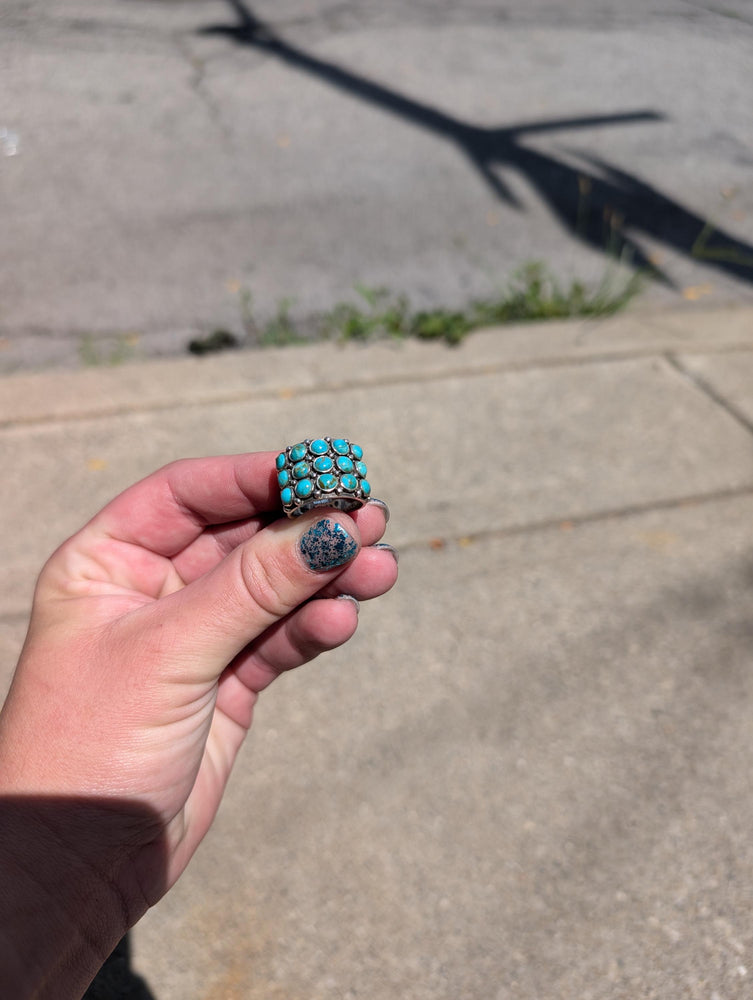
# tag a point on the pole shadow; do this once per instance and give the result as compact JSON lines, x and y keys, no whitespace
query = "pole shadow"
{"x":602,"y":206}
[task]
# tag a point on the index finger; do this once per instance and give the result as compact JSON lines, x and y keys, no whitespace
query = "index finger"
{"x":170,"y":508}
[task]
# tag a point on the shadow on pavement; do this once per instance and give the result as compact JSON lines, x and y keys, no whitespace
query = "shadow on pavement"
{"x":600,"y":205}
{"x":116,"y":980}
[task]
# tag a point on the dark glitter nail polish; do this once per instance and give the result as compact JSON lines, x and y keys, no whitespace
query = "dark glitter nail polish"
{"x":327,"y":545}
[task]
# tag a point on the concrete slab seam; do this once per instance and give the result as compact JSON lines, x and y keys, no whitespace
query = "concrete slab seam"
{"x":701,"y":384}
{"x":618,"y":356}
{"x":556,"y":524}
{"x":572,"y":521}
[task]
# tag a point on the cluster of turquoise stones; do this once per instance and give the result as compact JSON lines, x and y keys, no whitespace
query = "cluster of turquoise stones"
{"x":322,"y":472}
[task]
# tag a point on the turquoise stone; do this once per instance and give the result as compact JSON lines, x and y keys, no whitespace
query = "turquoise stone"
{"x":356,"y":451}
{"x":345,"y":465}
{"x":319,"y":447}
{"x":304,"y":488}
{"x":286,"y":496}
{"x":301,"y":470}
{"x":365,"y":487}
{"x":323,"y":464}
{"x":327,"y":482}
{"x":341,"y":446}
{"x":361,"y":468}
{"x":283,"y":477}
{"x":349,"y":483}
{"x":280,"y":460}
{"x":297,"y":452}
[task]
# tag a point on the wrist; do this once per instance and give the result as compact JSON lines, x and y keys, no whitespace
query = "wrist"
{"x":67,"y":896}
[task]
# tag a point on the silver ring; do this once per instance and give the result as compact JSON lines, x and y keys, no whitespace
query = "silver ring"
{"x":322,"y":472}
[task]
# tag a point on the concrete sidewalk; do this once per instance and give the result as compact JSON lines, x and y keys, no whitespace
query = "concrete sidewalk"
{"x":529,"y":774}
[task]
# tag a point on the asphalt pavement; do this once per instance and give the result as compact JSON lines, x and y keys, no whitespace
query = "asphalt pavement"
{"x":172,"y":158}
{"x":529,"y":774}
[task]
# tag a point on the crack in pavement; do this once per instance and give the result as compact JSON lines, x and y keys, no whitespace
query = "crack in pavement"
{"x":717,"y":11}
{"x":197,"y":84}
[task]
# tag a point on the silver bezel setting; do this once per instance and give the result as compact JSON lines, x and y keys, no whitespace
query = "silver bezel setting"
{"x":338,"y":498}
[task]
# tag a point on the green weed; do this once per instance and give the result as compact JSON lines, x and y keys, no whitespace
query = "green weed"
{"x":533,"y":294}
{"x":281,"y":330}
{"x":106,"y":351}
{"x":702,"y":251}
{"x":381,"y":315}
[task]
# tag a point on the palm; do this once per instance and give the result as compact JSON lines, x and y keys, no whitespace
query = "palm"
{"x":169,"y":644}
{"x":117,"y":578}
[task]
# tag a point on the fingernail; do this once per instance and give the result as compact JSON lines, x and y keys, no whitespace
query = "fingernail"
{"x":327,"y":545}
{"x":349,"y":597}
{"x":383,"y":505}
{"x":388,"y":548}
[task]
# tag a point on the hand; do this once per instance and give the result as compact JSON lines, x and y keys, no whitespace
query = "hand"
{"x":154,"y":629}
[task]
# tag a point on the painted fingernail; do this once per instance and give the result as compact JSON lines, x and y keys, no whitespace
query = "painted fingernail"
{"x":383,"y":505}
{"x":388,"y":548}
{"x":327,"y":545}
{"x":351,"y":598}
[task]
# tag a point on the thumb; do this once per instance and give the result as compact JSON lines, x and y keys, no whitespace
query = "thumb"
{"x":205,"y":625}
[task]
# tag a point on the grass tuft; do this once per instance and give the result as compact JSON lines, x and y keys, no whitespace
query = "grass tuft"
{"x":533,"y":294}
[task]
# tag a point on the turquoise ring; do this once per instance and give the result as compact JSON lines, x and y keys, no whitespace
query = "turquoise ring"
{"x":322,"y":472}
